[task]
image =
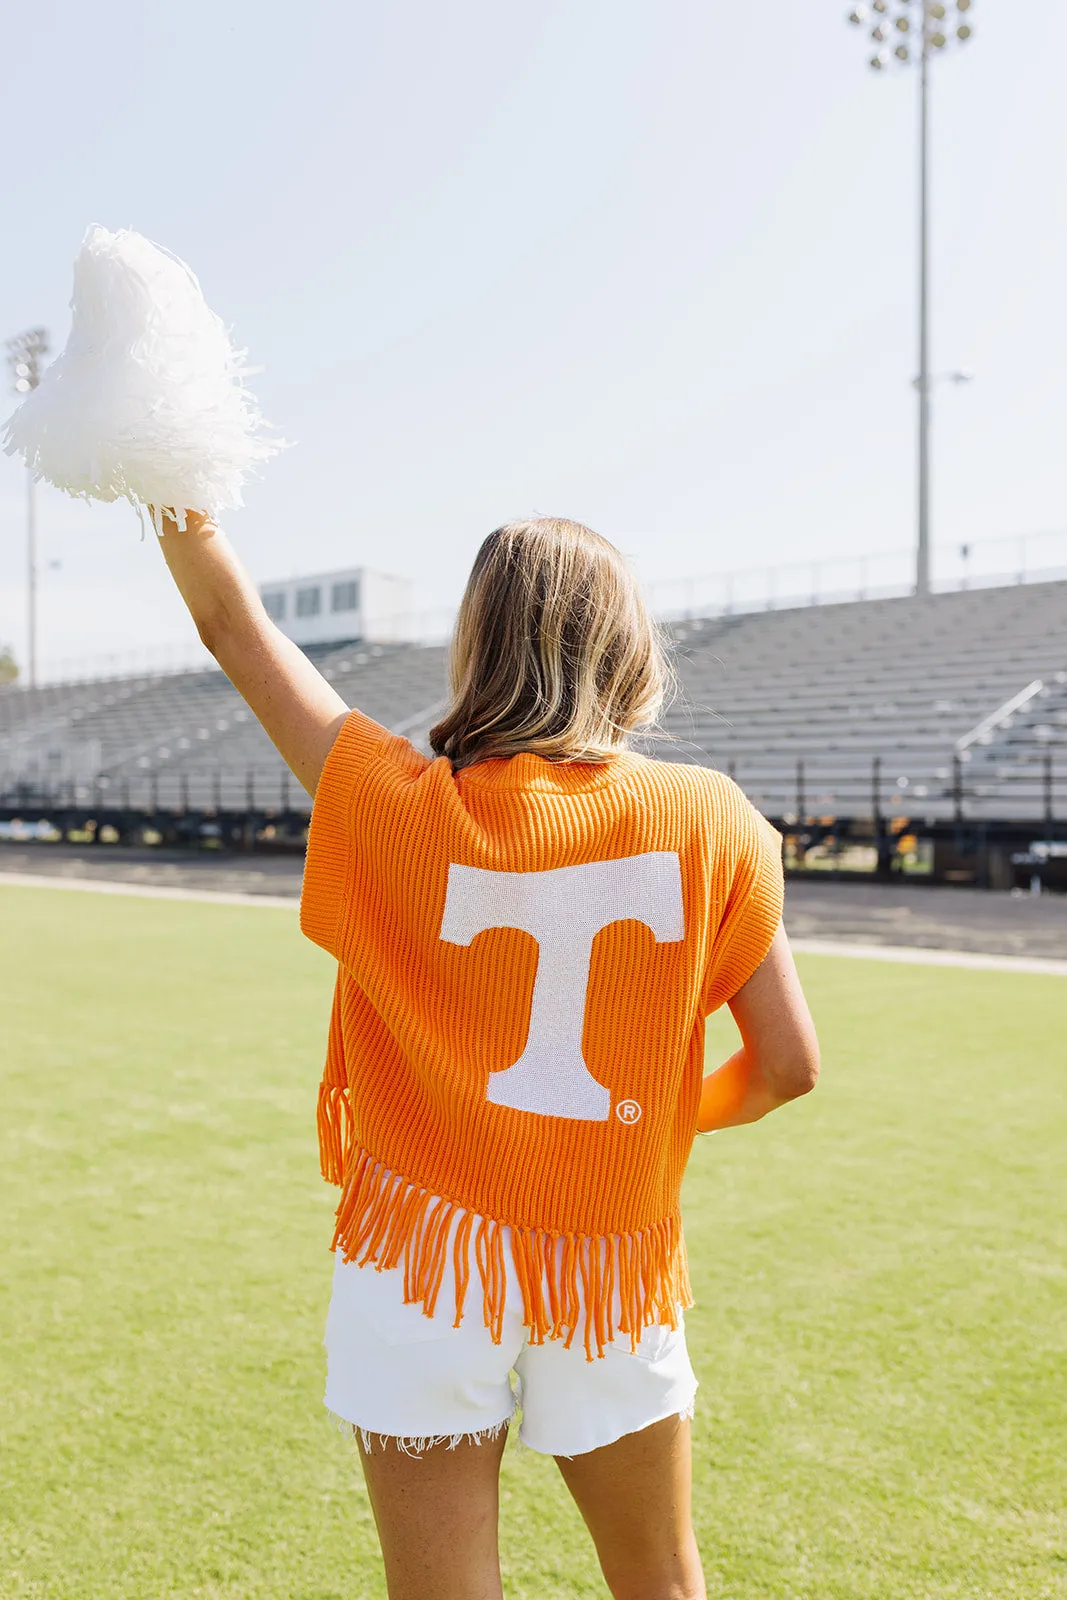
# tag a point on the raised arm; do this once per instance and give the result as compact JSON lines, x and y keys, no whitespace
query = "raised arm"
{"x":779,"y":1056}
{"x":300,"y":711}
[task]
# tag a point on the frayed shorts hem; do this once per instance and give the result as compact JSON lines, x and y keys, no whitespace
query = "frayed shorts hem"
{"x":413,"y":1444}
{"x":684,"y":1414}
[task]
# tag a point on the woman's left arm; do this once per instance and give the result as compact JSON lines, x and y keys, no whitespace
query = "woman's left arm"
{"x":779,"y":1056}
{"x":301,"y":713}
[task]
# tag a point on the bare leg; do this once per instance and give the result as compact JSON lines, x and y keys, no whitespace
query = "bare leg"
{"x":436,"y":1515}
{"x":635,"y":1496}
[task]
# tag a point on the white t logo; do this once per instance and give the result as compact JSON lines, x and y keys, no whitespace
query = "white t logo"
{"x":563,"y":909}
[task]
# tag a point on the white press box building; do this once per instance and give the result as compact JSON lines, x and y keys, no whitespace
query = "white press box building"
{"x":338,"y":606}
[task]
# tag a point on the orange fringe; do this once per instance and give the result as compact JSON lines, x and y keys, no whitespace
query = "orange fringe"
{"x":567,"y":1281}
{"x":337,"y":1125}
{"x":336,"y":1131}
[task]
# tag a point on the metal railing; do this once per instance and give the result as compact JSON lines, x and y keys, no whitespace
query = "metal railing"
{"x":982,"y":732}
{"x":253,"y":790}
{"x":809,"y":794}
{"x":801,"y":793}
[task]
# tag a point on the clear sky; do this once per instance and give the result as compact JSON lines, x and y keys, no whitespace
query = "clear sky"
{"x":647,"y":265}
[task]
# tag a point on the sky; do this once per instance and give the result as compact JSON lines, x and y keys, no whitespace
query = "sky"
{"x":647,"y":265}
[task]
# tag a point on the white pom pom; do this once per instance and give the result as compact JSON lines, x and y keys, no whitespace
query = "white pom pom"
{"x":147,"y":400}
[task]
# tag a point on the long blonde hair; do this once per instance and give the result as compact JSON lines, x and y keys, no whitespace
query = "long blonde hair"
{"x":553,"y":650}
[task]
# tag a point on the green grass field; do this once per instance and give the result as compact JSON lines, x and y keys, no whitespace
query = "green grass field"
{"x":881,"y":1274}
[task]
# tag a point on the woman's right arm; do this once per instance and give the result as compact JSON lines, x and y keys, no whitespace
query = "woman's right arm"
{"x":301,"y":712}
{"x":779,"y":1056}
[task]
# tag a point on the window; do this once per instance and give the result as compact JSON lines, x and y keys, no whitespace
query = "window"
{"x":274,"y":604}
{"x":308,"y":602}
{"x":345,"y":596}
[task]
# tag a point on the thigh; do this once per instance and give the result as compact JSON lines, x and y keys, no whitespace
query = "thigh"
{"x":436,"y":1515}
{"x":635,"y":1496}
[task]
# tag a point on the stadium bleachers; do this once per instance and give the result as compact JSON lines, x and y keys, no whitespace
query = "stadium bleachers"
{"x":901,"y":680}
{"x":191,"y":734}
{"x":831,"y":687}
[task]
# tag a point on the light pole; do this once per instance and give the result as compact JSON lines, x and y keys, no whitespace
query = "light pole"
{"x":24,"y":355}
{"x":922,"y":29}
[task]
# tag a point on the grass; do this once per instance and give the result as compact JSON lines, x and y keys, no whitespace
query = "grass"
{"x":880,"y":1273}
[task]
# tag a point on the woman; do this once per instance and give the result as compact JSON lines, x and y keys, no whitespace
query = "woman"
{"x":530,"y":928}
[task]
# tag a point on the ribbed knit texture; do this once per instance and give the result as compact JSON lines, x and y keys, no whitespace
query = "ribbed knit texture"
{"x":426,"y":1161}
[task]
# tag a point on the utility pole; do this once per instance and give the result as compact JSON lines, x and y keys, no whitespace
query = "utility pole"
{"x":25,"y":354}
{"x":934,"y":23}
{"x":922,"y":552}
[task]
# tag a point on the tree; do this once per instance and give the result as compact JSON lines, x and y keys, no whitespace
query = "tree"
{"x":9,"y":667}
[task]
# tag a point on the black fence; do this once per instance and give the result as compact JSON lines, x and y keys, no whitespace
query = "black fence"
{"x":253,"y":789}
{"x":959,"y":791}
{"x":792,"y":788}
{"x":235,"y":811}
{"x":969,"y":825}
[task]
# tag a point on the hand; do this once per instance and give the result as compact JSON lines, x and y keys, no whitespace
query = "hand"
{"x":196,"y":522}
{"x":724,"y":1094}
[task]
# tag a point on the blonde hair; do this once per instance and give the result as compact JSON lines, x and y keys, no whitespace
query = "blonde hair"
{"x":553,"y":650}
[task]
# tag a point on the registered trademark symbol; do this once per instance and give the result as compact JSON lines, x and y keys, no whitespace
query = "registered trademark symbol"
{"x":627,"y":1110}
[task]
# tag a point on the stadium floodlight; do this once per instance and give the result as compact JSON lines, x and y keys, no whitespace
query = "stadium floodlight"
{"x":922,"y":29}
{"x":25,"y":354}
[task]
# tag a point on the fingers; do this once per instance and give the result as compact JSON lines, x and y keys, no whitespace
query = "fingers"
{"x":195,"y":521}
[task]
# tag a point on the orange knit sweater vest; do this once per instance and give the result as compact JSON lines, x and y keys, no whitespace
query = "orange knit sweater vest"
{"x":527,"y":952}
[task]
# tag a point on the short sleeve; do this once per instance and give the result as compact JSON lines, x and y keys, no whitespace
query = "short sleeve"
{"x":752,"y":910}
{"x":328,"y":864}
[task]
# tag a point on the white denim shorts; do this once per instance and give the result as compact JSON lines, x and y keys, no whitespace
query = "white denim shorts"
{"x":393,"y":1371}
